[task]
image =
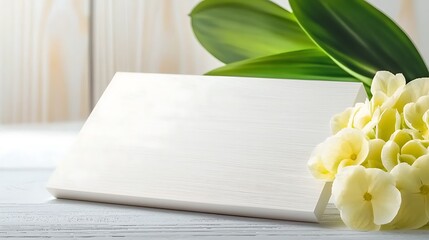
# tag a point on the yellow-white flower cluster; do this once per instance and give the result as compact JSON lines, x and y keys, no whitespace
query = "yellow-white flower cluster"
{"x":378,"y":157}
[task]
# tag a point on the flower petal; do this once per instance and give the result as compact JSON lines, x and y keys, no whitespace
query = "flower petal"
{"x":349,"y":186}
{"x":366,"y":198}
{"x":373,"y":160}
{"x":362,"y":116}
{"x":334,"y":151}
{"x":357,"y":142}
{"x":421,"y":166}
{"x":390,"y":121}
{"x":387,"y":83}
{"x":413,"y":114}
{"x":386,"y":198}
{"x":389,"y":155}
{"x":426,"y":121}
{"x":348,"y":145}
{"x":316,"y":167}
{"x":341,"y":120}
{"x":402,"y":136}
{"x":412,"y":91}
{"x":411,"y":215}
{"x":359,"y":217}
{"x":405,"y":178}
{"x":427,"y":205}
{"x":414,"y":148}
{"x":378,"y":99}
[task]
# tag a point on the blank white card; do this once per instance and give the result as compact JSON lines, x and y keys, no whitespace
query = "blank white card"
{"x":226,"y":145}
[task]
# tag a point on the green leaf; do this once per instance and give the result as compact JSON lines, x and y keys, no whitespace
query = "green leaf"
{"x":234,"y":30}
{"x":309,"y":64}
{"x":359,"y":38}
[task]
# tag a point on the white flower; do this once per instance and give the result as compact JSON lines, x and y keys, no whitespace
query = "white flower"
{"x":342,"y":120}
{"x":347,"y":147}
{"x":413,"y":183}
{"x":366,"y":118}
{"x":413,"y":91}
{"x":416,"y":115}
{"x":387,"y":83}
{"x":403,"y":147}
{"x":378,"y":158}
{"x":366,"y":197}
{"x":386,"y":88}
{"x":360,"y":117}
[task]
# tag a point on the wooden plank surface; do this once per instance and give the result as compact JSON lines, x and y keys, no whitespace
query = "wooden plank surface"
{"x":27,"y":211}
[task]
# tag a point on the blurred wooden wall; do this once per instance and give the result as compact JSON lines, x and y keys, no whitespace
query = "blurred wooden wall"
{"x":57,"y":56}
{"x":144,"y":36}
{"x":44,"y":63}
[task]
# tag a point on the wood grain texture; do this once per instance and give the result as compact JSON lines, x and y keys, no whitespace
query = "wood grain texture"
{"x":26,"y":212}
{"x":44,"y":73}
{"x":145,"y":36}
{"x":217,"y":144}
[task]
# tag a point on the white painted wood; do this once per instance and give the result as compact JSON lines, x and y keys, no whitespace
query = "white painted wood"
{"x":24,"y":186}
{"x":36,"y":145}
{"x":217,"y":144}
{"x":26,"y":212}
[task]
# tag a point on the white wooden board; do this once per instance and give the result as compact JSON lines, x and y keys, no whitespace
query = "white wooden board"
{"x":26,"y":212}
{"x":215,"y":144}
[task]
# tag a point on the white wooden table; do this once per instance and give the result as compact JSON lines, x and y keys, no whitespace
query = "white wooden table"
{"x":27,"y":211}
